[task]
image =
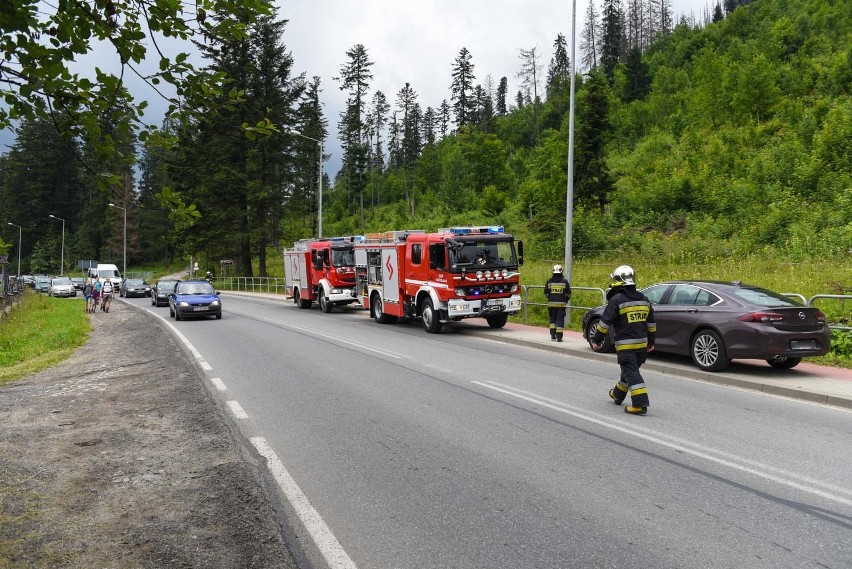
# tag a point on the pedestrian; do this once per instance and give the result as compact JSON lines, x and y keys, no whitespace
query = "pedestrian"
{"x":558,"y":293}
{"x":631,"y":317}
{"x":87,"y":294}
{"x":106,"y":295}
{"x":96,"y":293}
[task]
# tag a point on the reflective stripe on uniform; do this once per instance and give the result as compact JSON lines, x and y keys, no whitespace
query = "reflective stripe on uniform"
{"x":631,"y":344}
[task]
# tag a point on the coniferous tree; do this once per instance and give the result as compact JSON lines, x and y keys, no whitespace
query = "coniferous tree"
{"x":637,"y":75}
{"x":303,"y":202}
{"x":462,"y":87}
{"x":380,"y":109}
{"x":559,"y":72}
{"x":530,"y":70}
{"x":589,"y":38}
{"x":444,"y":118}
{"x":611,"y":37}
{"x":406,"y":103}
{"x":718,"y":16}
{"x":430,"y":120}
{"x":592,"y":178}
{"x":355,"y":77}
{"x":502,"y":92}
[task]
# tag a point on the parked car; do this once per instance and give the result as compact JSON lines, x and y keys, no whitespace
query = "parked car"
{"x":715,"y":322}
{"x":161,"y":290}
{"x":28,"y":280}
{"x":194,"y":298}
{"x":42,"y":283}
{"x":134,"y":287}
{"x":61,"y":286}
{"x":78,"y":282}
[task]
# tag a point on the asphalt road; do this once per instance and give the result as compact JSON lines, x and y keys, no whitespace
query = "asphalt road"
{"x":420,"y":451}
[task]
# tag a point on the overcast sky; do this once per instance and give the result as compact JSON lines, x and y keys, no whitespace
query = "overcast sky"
{"x":417,"y":42}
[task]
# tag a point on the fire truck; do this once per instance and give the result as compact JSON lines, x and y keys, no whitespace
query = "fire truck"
{"x":322,"y":271}
{"x":447,"y":276}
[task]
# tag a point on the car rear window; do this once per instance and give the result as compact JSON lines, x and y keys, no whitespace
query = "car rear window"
{"x":763,"y":297}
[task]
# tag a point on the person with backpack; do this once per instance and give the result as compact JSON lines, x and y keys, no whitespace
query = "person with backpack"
{"x":558,"y":293}
{"x":96,"y":293}
{"x":107,"y":295}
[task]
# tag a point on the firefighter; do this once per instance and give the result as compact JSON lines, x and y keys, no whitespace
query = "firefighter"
{"x":558,"y":293}
{"x":630,"y":315}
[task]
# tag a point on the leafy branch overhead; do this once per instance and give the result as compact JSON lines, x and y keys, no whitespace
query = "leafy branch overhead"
{"x":45,"y":47}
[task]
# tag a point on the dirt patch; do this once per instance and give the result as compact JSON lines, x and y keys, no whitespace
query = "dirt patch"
{"x":119,"y":457}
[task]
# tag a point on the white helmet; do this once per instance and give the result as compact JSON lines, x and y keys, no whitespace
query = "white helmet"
{"x":557,"y":269}
{"x":623,"y":275}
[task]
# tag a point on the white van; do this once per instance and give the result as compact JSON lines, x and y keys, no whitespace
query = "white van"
{"x":106,"y":271}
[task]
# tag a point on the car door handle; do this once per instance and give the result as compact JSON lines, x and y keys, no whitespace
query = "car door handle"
{"x":692,"y":310}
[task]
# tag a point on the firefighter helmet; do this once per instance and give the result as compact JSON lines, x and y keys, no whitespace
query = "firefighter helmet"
{"x":557,"y":269}
{"x":623,"y":275}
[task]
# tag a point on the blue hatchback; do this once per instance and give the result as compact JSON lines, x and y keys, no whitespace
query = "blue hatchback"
{"x":194,"y":298}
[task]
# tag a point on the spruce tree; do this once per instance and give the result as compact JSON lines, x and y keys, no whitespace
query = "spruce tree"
{"x":559,"y":72}
{"x":502,"y":92}
{"x":611,"y":37}
{"x":461,"y":88}
{"x":589,"y":38}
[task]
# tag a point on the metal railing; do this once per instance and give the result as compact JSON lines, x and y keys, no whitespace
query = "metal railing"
{"x":525,"y":291}
{"x":273,"y":285}
{"x":844,"y":298}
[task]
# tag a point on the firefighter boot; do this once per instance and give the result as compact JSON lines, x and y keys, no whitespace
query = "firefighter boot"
{"x":617,"y":394}
{"x":552,"y":332}
{"x":633,"y":410}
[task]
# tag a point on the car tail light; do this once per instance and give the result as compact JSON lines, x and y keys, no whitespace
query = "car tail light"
{"x":765,"y":317}
{"x":820,"y":317}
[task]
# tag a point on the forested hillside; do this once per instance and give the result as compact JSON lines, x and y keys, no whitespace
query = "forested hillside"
{"x":717,"y":139}
{"x":693,"y":140}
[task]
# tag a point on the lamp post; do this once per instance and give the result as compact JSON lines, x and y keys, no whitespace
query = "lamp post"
{"x":62,"y":257}
{"x":319,"y":211}
{"x":124,"y":266}
{"x":20,"y":232}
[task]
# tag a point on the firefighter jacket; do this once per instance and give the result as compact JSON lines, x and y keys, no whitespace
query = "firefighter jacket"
{"x":630,"y":315}
{"x":558,"y":291}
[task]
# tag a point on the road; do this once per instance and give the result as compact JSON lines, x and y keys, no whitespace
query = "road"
{"x":417,"y":451}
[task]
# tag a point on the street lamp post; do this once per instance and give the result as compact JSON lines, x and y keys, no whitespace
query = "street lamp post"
{"x":124,"y":266}
{"x":20,"y":232}
{"x":319,"y":212}
{"x":62,"y":257}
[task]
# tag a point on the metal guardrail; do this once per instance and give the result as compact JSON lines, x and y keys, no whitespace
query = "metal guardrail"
{"x":274,"y":285}
{"x":525,"y":290}
{"x":277,"y":285}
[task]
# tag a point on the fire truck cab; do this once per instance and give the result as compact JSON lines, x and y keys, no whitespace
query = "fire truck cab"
{"x":321,"y":270}
{"x":447,"y":276}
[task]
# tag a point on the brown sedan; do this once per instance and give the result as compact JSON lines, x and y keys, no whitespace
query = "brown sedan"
{"x":715,"y":322}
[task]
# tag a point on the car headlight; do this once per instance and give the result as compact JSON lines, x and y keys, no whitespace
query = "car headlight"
{"x":184,"y":303}
{"x":214,"y":303}
{"x":335,"y":291}
{"x":487,"y":274}
{"x":505,"y":273}
{"x":479,"y":274}
{"x":515,"y":287}
{"x":461,"y":292}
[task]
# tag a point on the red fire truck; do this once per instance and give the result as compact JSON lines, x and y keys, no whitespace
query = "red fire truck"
{"x":455,"y":273}
{"x":321,"y":270}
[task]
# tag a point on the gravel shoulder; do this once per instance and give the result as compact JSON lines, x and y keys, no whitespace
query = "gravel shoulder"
{"x":120,"y":457}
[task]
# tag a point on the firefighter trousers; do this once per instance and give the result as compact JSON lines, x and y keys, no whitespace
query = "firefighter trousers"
{"x":557,"y":322}
{"x":631,"y":380}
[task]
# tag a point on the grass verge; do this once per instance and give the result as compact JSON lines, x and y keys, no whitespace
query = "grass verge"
{"x":39,"y":334}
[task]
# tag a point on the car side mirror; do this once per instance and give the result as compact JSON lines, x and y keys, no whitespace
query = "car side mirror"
{"x":520,"y":252}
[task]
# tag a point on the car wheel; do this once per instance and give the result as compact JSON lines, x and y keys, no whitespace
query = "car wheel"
{"x":782,"y":362}
{"x":498,"y":320}
{"x":708,"y":351}
{"x":606,"y":345}
{"x":219,"y":316}
{"x":325,"y":305}
{"x":171,"y":312}
{"x":177,"y":316}
{"x":430,"y":318}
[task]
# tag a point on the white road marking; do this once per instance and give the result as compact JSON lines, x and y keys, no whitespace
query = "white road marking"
{"x":205,"y":366}
{"x":218,"y":383}
{"x":320,"y":533}
{"x":790,"y":479}
{"x":237,"y":410}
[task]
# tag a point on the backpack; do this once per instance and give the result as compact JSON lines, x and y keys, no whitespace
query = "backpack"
{"x":107,"y":286}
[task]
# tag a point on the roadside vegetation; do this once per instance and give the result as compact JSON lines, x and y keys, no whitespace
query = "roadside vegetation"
{"x":40,"y":333}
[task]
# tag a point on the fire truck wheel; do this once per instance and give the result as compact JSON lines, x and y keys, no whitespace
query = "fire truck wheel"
{"x":431,"y":322}
{"x":325,"y":305}
{"x":377,"y":310}
{"x":302,"y":303}
{"x":498,"y":320}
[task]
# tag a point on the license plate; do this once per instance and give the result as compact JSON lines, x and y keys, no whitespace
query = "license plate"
{"x":803,"y":345}
{"x":199,"y":309}
{"x":495,"y":302}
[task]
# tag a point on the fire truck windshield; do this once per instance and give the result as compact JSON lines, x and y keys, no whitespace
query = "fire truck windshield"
{"x":343,"y":257}
{"x":482,"y":254}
